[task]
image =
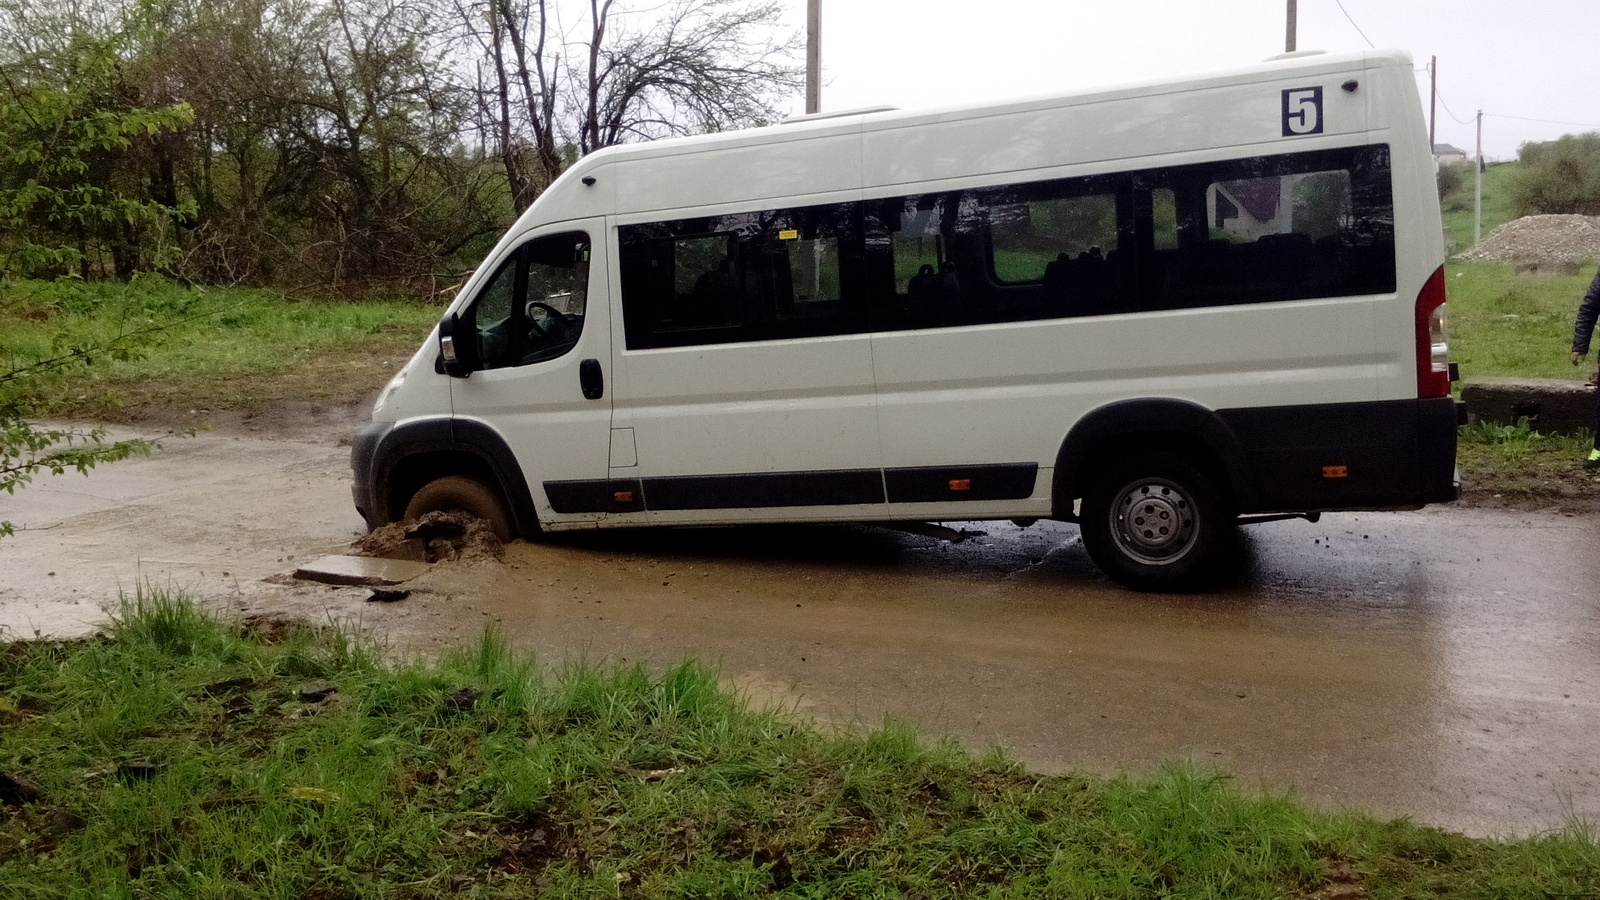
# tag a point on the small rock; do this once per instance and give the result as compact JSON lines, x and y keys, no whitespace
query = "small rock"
{"x":381,"y":596}
{"x":59,"y":822}
{"x":464,"y":699}
{"x":229,"y":687}
{"x":16,"y":791}
{"x":137,"y":770}
{"x":316,"y":693}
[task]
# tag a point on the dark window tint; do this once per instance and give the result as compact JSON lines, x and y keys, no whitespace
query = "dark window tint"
{"x":1253,"y":230}
{"x":1029,"y":237}
{"x":491,"y":316}
{"x":1032,"y":251}
{"x":1270,"y":228}
{"x":755,"y":276}
{"x":533,"y":308}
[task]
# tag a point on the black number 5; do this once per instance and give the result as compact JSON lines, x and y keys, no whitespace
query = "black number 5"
{"x":1302,"y":111}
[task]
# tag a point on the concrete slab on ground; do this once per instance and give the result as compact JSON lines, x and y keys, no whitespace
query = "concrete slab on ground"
{"x":360,"y":571}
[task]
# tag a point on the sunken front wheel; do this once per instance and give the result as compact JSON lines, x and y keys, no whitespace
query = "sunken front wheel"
{"x":1156,"y":521}
{"x":460,"y":493}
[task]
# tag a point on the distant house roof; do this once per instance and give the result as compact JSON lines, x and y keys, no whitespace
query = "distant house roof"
{"x":1448,"y":150}
{"x":1258,"y":196}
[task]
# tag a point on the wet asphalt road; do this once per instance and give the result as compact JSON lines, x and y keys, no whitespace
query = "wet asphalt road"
{"x":1442,"y":664}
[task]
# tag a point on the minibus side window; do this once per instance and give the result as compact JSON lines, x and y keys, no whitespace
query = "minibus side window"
{"x":706,"y":289}
{"x":915,"y":243}
{"x":813,"y":274}
{"x":557,"y":295}
{"x":741,"y":277}
{"x":532,"y":309}
{"x":1031,"y":237}
{"x":1250,"y":230}
{"x":1164,"y":219}
{"x":1067,"y":245}
{"x":491,"y":316}
{"x":1268,"y":229}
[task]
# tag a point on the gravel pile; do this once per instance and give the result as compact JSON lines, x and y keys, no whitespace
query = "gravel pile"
{"x":1541,"y":239}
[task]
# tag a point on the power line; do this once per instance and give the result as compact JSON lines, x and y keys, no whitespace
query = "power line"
{"x":1459,"y":120}
{"x":1340,"y":4}
{"x":1546,"y":121}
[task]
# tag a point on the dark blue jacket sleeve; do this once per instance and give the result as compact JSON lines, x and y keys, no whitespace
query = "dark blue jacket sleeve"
{"x":1588,"y":311}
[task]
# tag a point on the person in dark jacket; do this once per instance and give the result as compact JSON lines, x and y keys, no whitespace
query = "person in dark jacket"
{"x":1588,"y":311}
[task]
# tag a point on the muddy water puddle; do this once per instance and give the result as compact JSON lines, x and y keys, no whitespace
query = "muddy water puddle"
{"x":1442,"y":664}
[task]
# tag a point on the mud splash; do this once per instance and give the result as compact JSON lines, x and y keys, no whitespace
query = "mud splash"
{"x":435,"y":537}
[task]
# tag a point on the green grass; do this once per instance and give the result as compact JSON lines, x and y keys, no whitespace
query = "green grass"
{"x":1507,"y":324}
{"x":242,"y":349}
{"x":1517,"y":462}
{"x":1520,"y":325}
{"x":1457,"y":207}
{"x":225,"y":348}
{"x":179,"y":757}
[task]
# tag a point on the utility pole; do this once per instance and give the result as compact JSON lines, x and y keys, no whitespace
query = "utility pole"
{"x":814,"y":56}
{"x":1477,"y":205}
{"x":1433,"y":104}
{"x":1288,"y":38}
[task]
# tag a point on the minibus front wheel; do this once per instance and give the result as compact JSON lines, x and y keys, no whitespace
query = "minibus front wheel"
{"x":464,"y":494}
{"x":1157,"y":520}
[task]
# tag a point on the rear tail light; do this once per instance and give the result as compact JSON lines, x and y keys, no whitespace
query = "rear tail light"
{"x":1433,"y":347}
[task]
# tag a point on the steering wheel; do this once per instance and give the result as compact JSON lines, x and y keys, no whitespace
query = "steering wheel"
{"x":551,"y":314}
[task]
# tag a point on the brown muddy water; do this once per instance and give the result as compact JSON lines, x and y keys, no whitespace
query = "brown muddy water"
{"x":1441,"y":664}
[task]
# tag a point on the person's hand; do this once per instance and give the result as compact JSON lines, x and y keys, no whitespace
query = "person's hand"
{"x":1578,"y":358}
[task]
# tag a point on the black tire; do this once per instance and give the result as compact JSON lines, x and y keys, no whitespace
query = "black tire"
{"x":1157,"y":521}
{"x":464,"y":494}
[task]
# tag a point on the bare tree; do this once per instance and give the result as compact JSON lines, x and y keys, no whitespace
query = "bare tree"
{"x":697,"y":66}
{"x":547,"y":96}
{"x":519,"y":108}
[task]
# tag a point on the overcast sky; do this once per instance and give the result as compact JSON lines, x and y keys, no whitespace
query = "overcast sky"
{"x":1531,"y":59}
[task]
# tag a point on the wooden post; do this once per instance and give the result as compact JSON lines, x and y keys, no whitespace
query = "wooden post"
{"x":1433,"y":104}
{"x":1477,"y":204}
{"x":813,"y":56}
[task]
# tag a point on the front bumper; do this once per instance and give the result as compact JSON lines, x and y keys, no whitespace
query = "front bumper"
{"x":363,"y":452}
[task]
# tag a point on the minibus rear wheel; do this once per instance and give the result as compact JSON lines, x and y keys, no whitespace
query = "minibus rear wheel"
{"x":465,"y":494}
{"x":1156,"y":520}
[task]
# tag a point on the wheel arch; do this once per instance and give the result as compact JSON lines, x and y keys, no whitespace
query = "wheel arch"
{"x":1156,"y":421}
{"x":414,"y":453}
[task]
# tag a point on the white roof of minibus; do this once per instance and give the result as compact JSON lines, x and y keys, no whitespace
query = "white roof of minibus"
{"x":880,"y":121}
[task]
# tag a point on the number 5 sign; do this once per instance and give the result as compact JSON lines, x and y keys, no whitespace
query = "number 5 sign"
{"x":1302,"y":111}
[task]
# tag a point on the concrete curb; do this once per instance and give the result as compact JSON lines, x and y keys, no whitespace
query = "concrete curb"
{"x":1551,"y":405}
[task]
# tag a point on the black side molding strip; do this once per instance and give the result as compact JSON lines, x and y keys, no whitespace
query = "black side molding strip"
{"x":768,"y":490}
{"x":934,"y":484}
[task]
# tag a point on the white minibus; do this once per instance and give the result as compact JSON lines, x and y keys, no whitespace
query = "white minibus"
{"x":1156,"y":310}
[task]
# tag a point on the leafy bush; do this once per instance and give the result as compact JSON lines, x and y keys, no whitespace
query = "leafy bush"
{"x":1450,"y":180}
{"x":1558,"y":177}
{"x":71,"y":189}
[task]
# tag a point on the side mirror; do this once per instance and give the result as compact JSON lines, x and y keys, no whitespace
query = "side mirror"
{"x":456,"y":350}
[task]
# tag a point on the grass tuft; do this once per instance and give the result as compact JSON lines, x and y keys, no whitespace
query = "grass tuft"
{"x":179,"y":756}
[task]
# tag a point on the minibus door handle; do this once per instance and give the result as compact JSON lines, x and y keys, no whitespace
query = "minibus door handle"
{"x":591,"y":379}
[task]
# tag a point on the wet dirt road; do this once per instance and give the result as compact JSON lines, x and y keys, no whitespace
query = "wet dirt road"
{"x":1442,"y":664}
